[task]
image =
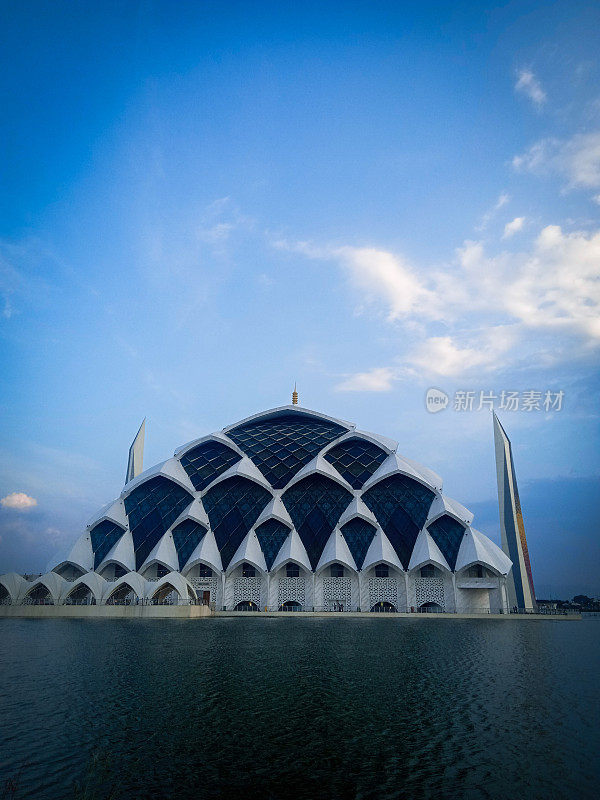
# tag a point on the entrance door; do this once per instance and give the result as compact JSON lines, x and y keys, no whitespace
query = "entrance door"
{"x":206,"y":597}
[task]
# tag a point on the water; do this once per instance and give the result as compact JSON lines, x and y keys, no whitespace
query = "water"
{"x":302,"y":707}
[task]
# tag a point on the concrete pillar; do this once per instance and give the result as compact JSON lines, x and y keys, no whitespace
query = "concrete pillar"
{"x":454,"y":590}
{"x":406,"y":590}
{"x":360,"y":590}
{"x":268,"y":597}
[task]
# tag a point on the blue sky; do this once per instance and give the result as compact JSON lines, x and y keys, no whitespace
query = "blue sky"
{"x":202,"y":203}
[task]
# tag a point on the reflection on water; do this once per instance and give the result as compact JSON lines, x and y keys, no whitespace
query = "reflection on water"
{"x":301,"y":707}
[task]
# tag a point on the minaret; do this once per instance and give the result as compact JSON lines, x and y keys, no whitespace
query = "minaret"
{"x":294,"y":396}
{"x":519,"y":583}
{"x":135,"y":463}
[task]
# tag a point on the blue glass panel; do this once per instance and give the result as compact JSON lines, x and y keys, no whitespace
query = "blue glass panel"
{"x":280,"y":447}
{"x":207,"y":461}
{"x":356,"y":460}
{"x":315,"y":504}
{"x":187,"y":536}
{"x":359,"y":534}
{"x":447,"y":533}
{"x":104,"y":536}
{"x":152,"y":507}
{"x":400,"y":505}
{"x":233,"y":506}
{"x":271,"y":535}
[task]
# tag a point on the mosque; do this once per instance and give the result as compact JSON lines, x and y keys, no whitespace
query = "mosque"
{"x":291,"y":510}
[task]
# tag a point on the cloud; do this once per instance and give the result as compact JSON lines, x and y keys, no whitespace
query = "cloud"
{"x":513,"y":227}
{"x":577,"y":159}
{"x":553,"y":287}
{"x":444,"y":355}
{"x":378,"y":379}
{"x":502,"y":200}
{"x":19,"y":501}
{"x":529,"y":85}
{"x":492,"y":307}
{"x":379,"y":274}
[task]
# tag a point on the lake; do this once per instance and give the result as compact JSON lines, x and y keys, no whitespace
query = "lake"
{"x":299,"y":708}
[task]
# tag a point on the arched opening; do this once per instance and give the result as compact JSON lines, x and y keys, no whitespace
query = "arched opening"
{"x":124,"y":595}
{"x":336,"y":570}
{"x":292,"y":570}
{"x":429,"y":571}
{"x":167,"y":595}
{"x":430,"y":608}
{"x":112,"y":572}
{"x":5,"y":598}
{"x":155,"y":571}
{"x":81,"y":596}
{"x":246,"y":605}
{"x":383,"y":607}
{"x":290,"y":605}
{"x":70,"y":572}
{"x":478,"y":571}
{"x":40,"y":596}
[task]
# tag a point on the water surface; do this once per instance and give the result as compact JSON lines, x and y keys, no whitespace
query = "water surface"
{"x":300,"y":707}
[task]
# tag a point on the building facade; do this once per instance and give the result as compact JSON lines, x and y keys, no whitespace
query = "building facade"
{"x":287,"y":510}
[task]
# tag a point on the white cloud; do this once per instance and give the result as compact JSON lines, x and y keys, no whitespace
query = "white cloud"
{"x":513,"y":227}
{"x":443,"y":355}
{"x":378,"y":379}
{"x":491,"y":306}
{"x":502,"y":200}
{"x":216,"y":233}
{"x":596,"y":199}
{"x":529,"y":85}
{"x":19,"y":501}
{"x":379,"y":274}
{"x":577,"y":159}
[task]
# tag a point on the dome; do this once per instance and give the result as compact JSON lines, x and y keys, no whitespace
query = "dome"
{"x":295,"y":498}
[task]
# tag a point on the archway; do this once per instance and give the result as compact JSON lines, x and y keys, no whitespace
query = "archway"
{"x":124,"y":595}
{"x":166,"y":595}
{"x":429,"y":608}
{"x":384,"y":607}
{"x":246,"y":605}
{"x":81,"y":596}
{"x":112,"y":571}
{"x":40,"y":596}
{"x":290,"y":605}
{"x":69,"y":571}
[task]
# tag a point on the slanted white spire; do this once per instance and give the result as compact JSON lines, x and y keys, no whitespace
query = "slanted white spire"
{"x":135,"y":463}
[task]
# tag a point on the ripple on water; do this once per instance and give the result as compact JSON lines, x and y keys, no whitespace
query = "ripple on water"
{"x":307,"y":708}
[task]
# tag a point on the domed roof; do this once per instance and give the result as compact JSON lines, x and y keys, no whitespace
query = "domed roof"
{"x":285,"y":481}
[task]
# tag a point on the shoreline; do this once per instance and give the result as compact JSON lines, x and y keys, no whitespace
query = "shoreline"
{"x":204,"y":612}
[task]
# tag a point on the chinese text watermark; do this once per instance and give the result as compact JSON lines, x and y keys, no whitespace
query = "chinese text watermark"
{"x":466,"y":400}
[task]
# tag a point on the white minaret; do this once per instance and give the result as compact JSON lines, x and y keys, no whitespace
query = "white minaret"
{"x":135,"y":463}
{"x":519,"y":583}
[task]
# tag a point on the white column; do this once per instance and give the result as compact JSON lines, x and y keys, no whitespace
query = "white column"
{"x":454,"y":590}
{"x":314,"y":583}
{"x":268,"y":596}
{"x":360,"y":590}
{"x":222,"y":590}
{"x":406,"y":589}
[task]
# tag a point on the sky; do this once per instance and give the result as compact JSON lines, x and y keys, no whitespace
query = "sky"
{"x":203,"y":203}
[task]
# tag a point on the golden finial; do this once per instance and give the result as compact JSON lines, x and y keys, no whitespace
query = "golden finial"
{"x":294,"y":396}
